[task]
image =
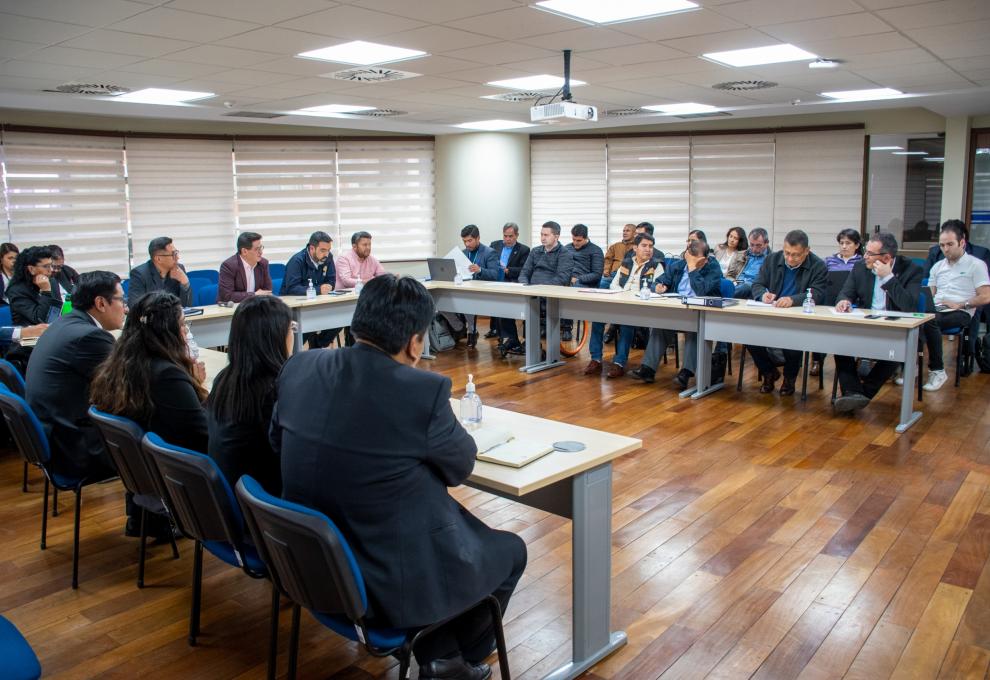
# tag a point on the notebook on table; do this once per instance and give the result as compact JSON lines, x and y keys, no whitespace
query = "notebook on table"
{"x":500,"y":446}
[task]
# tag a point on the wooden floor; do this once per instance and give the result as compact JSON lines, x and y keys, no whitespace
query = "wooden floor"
{"x":753,"y":536}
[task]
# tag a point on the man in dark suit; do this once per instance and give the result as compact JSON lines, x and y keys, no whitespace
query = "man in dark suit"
{"x":511,"y":257}
{"x":246,"y":273}
{"x":64,"y":278}
{"x":61,"y":368}
{"x":162,"y":271}
{"x":882,"y":280}
{"x":379,"y":465}
{"x":314,"y":263}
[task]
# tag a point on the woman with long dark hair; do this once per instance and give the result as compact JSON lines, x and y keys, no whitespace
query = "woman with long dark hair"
{"x":8,"y":256}
{"x":150,"y":378}
{"x":243,"y":396}
{"x":731,"y":253}
{"x":30,"y":290}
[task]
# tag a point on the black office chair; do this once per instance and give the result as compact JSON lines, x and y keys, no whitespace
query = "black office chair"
{"x":204,"y":507}
{"x":122,"y":438}
{"x":313,"y":565}
{"x":12,"y":378}
{"x":33,"y":444}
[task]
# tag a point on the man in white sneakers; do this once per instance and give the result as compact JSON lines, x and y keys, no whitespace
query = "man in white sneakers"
{"x":960,"y":285}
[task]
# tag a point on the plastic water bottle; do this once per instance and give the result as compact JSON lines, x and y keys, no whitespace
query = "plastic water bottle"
{"x":470,"y":405}
{"x":66,"y":305}
{"x":458,"y":279}
{"x":311,"y":291}
{"x":358,"y":286}
{"x":191,"y":345}
{"x":809,"y":303}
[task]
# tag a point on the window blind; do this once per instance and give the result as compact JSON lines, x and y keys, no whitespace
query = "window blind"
{"x":183,"y":189}
{"x":569,"y":186}
{"x":68,"y":190}
{"x":732,"y":184}
{"x":285,"y":192}
{"x":387,"y":189}
{"x":818,"y":186}
{"x":649,"y":180}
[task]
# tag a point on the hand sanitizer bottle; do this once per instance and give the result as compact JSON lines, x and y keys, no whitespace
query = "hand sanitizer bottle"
{"x":311,"y":291}
{"x":358,"y":286}
{"x":470,"y":406}
{"x":191,"y":345}
{"x":644,"y":288}
{"x":458,"y":279}
{"x":809,"y":303}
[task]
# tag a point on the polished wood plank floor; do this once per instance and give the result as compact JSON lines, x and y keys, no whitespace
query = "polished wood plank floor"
{"x":753,"y":536}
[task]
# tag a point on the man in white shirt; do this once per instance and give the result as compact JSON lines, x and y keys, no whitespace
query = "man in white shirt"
{"x":641,"y":268}
{"x":960,"y":285}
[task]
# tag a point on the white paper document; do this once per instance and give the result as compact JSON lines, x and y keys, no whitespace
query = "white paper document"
{"x":852,"y":312}
{"x":460,"y":262}
{"x":757,"y":303}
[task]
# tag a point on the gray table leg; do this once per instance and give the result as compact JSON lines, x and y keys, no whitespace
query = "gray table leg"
{"x":591,"y":530}
{"x":534,"y":362}
{"x":426,"y":348}
{"x":702,"y":380}
{"x":297,"y":317}
{"x":908,"y":416}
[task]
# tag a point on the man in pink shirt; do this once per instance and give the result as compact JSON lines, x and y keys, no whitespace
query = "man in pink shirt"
{"x":358,"y":262}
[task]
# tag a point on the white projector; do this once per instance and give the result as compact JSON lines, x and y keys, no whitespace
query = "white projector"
{"x":559,"y":110}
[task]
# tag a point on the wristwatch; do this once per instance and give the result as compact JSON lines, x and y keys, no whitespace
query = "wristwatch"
{"x":967,"y":305}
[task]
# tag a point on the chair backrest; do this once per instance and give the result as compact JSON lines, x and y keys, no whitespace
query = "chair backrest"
{"x":19,"y":660}
{"x":200,"y":498}
{"x":726,"y":288}
{"x":122,"y":439}
{"x":5,"y":317}
{"x":25,"y":428}
{"x":207,"y":295}
{"x":125,"y":285}
{"x":197,"y":283}
{"x":211,"y":275}
{"x":276,"y":271}
{"x":11,"y":377}
{"x":277,"y":286}
{"x":308,"y":557}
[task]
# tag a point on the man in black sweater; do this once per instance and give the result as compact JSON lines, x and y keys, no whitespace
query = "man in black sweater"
{"x":589,"y":265}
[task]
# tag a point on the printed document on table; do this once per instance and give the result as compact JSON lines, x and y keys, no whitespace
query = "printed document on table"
{"x":460,"y":262}
{"x":853,"y":312}
{"x":757,"y":303}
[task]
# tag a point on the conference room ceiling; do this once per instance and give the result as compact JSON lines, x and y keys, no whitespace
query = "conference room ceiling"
{"x":244,"y":52}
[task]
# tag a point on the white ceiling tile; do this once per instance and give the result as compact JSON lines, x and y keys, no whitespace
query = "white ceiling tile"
{"x":500,"y":53}
{"x":221,"y":56}
{"x":613,"y":74}
{"x":512,"y":24}
{"x":913,"y":55}
{"x":86,"y":58}
{"x":436,"y":11}
{"x":258,"y":11}
{"x":767,"y":12}
{"x":483,"y":74}
{"x":937,"y":13}
{"x":321,"y":84}
{"x":353,"y":23}
{"x":843,"y":26}
{"x":279,"y":40}
{"x":845,"y":48}
{"x":968,"y":64}
{"x":398,"y":88}
{"x":136,"y":81}
{"x":959,"y":50}
{"x":926,"y":83}
{"x":10,"y":83}
{"x":886,"y":72}
{"x":436,"y":39}
{"x":301,"y":67}
{"x":884,"y":4}
{"x":930,"y":36}
{"x":775,"y":95}
{"x":33,"y":69}
{"x":717,"y":42}
{"x":433,"y":65}
{"x":579,"y":39}
{"x":593,"y":94}
{"x":634,"y":54}
{"x":171,"y":23}
{"x":127,"y":43}
{"x":175,"y":69}
{"x":555,"y":66}
{"x":9,"y":49}
{"x":680,"y":25}
{"x":207,"y":85}
{"x":270,"y":92}
{"x":89,"y":13}
{"x":242,"y":76}
{"x":37,"y":30}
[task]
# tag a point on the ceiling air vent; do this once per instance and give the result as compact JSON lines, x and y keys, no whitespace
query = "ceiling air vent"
{"x":252,"y":114}
{"x":90,"y":88}
{"x":628,"y":112}
{"x":520,"y":96}
{"x":744,"y":85}
{"x":370,"y":74}
{"x":378,"y":113}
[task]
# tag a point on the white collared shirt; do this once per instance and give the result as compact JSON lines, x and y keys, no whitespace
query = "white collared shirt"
{"x":248,"y":275}
{"x":958,"y":282}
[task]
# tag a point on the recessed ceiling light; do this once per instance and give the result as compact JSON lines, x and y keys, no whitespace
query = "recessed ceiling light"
{"x":614,"y":11}
{"x":825,"y":63}
{"x":157,"y":95}
{"x":362,"y":53}
{"x":910,"y":153}
{"x":682,"y":109}
{"x":886,"y":148}
{"x":864,"y":95}
{"x":493,"y":125}
{"x":331,"y":110}
{"x":541,"y":82}
{"x":753,"y":56}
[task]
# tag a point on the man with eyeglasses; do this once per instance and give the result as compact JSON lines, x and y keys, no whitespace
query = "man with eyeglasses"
{"x":881,"y":281}
{"x":246,"y":273}
{"x":161,"y":272}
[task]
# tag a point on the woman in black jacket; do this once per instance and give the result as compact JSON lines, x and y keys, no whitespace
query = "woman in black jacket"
{"x":30,"y":290}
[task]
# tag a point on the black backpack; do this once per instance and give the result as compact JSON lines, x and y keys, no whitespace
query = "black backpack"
{"x":983,"y":353}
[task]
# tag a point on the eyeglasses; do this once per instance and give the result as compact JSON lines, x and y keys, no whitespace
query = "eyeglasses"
{"x":258,"y":249}
{"x":116,"y":298}
{"x":876,"y":254}
{"x":46,"y":267}
{"x":174,"y":253}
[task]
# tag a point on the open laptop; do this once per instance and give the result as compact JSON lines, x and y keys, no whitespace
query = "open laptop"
{"x":441,"y":269}
{"x":53,"y":314}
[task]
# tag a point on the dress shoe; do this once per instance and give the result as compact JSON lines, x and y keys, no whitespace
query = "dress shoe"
{"x":472,"y":339}
{"x":491,"y":334}
{"x":682,"y":378}
{"x":594,"y":367}
{"x":644,"y":373}
{"x":454,"y":669}
{"x":566,"y":336}
{"x":616,"y":371}
{"x":816,"y":368}
{"x":719,"y":362}
{"x":768,"y":380}
{"x":787,"y":387}
{"x":850,"y":402}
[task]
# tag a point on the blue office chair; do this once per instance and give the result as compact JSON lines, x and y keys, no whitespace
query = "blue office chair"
{"x":11,"y":377}
{"x":5,"y":317}
{"x":207,"y":295}
{"x":17,"y":659}
{"x":211,"y":275}
{"x":197,"y":283}
{"x":125,"y":284}
{"x":33,"y":444}
{"x":276,"y":271}
{"x":313,"y":565}
{"x":122,"y":439}
{"x":276,"y":285}
{"x":206,"y":511}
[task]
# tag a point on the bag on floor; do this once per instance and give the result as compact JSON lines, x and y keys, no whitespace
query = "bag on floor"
{"x":441,"y":336}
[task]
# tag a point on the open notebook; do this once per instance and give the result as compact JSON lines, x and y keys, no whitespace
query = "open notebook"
{"x":499,"y":445}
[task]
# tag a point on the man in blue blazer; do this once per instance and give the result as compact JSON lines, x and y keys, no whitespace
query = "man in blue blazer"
{"x":484,"y":267}
{"x":511,"y":256}
{"x":312,"y":263}
{"x":378,"y":462}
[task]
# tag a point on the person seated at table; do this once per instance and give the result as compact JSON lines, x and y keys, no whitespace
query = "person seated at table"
{"x":783,"y":281}
{"x":239,"y":409}
{"x":756,"y":255}
{"x":30,"y":290}
{"x":64,"y":278}
{"x":358,"y":262}
{"x":379,"y":462}
{"x":548,"y":264}
{"x":11,"y":335}
{"x":162,"y":271}
{"x":882,"y":280}
{"x":935,"y":253}
{"x":960,"y":286}
{"x":731,"y":253}
{"x":697,"y":235}
{"x":641,"y":228}
{"x":850,"y":251}
{"x":8,"y":255}
{"x":246,"y":273}
{"x":589,"y":264}
{"x":483,"y":267}
{"x":511,"y":257}
{"x":695,"y":274}
{"x":313,"y":264}
{"x":639,"y":273}
{"x":617,"y":252}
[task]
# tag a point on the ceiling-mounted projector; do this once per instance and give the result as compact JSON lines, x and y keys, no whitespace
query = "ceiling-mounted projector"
{"x":565,"y":108}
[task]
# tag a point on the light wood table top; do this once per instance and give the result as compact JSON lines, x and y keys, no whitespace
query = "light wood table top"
{"x":215,"y":362}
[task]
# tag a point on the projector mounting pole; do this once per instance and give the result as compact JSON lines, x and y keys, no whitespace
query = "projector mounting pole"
{"x":567,"y":76}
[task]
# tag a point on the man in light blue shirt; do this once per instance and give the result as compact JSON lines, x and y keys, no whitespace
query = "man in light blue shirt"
{"x":759,"y":249}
